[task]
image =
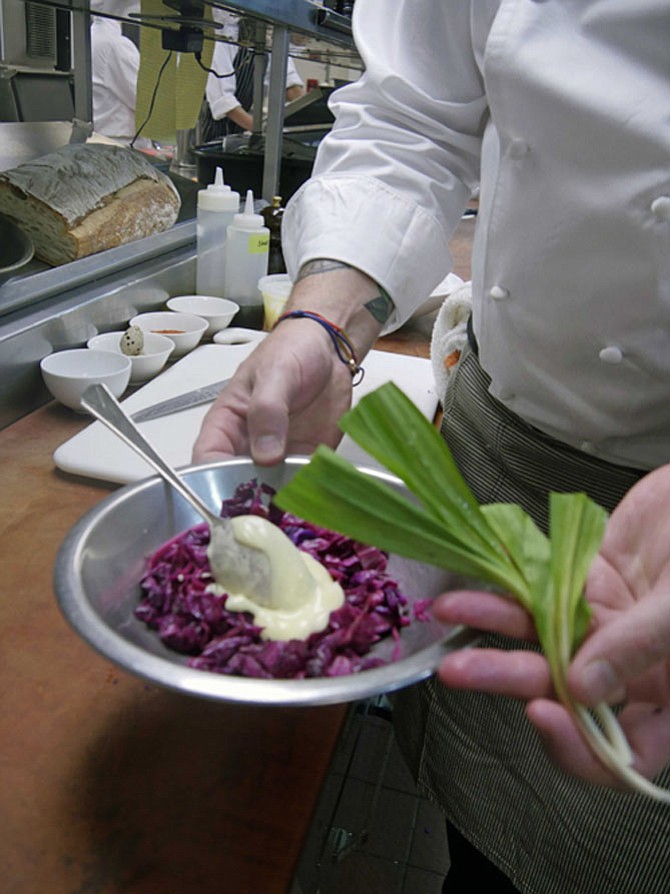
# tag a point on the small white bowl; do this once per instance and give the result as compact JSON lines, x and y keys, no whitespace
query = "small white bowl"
{"x":218,"y":312}
{"x":67,"y":374}
{"x":154,"y":356}
{"x":185,"y":330}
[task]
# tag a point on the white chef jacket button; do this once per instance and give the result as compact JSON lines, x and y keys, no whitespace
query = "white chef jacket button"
{"x":518,"y":148}
{"x":498,"y":293}
{"x":588,"y":447}
{"x":660,"y":208}
{"x":611,"y":354}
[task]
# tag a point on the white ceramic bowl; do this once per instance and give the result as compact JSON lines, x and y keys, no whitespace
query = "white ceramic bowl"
{"x":185,"y":330}
{"x":218,"y":312}
{"x":156,"y":350}
{"x":67,"y":374}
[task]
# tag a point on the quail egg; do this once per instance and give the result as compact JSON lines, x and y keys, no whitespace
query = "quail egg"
{"x":132,"y":341}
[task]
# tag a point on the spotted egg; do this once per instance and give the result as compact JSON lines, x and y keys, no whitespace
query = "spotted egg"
{"x":132,"y":341}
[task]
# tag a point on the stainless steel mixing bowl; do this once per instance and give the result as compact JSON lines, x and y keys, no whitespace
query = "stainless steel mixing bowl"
{"x":102,"y":559}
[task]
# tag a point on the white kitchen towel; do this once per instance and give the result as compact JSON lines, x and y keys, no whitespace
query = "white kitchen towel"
{"x":450,"y":335}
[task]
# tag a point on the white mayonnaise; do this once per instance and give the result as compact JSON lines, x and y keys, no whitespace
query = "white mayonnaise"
{"x":302,"y":594}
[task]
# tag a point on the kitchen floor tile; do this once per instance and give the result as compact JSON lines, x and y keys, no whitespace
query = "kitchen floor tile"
{"x":361,"y":873}
{"x":372,"y":830}
{"x":398,"y":775}
{"x":429,"y":849}
{"x":371,"y":755}
{"x":391,"y":826}
{"x":421,"y":881}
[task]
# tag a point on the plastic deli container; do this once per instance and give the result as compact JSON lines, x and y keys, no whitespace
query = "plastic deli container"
{"x":275,"y":289}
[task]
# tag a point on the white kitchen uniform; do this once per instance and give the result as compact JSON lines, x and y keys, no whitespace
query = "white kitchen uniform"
{"x":221,"y":92}
{"x":115,"y":61}
{"x":559,"y":110}
{"x":566,"y":103}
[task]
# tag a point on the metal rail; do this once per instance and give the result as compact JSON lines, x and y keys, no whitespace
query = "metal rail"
{"x":305,"y":16}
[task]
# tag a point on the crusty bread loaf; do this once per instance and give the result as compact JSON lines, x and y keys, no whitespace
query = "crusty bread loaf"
{"x":87,"y":197}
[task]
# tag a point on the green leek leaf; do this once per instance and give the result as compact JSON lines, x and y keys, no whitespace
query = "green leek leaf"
{"x":561,"y":612}
{"x":330,"y":492}
{"x":527,"y":546}
{"x":496,"y":544}
{"x":391,"y":429}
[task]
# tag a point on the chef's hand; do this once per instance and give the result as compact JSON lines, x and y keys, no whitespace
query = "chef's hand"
{"x":286,"y":397}
{"x":289,"y":394}
{"x":625,"y":658}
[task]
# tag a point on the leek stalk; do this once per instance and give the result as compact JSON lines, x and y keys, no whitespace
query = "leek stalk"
{"x":498,"y":544}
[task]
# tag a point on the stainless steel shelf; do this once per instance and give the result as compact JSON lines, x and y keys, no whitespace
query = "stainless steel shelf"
{"x":306,"y":16}
{"x":297,"y":15}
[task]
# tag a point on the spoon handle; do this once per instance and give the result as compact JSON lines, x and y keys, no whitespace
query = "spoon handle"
{"x":100,"y":402}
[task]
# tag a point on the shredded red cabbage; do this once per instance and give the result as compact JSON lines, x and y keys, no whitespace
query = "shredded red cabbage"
{"x":188,"y":619}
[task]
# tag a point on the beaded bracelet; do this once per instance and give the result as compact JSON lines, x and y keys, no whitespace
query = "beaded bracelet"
{"x":341,"y":342}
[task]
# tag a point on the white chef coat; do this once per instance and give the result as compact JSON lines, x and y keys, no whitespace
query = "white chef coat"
{"x":566,"y":105}
{"x":115,"y":61}
{"x":220,"y":92}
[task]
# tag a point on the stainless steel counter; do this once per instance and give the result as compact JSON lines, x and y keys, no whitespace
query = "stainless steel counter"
{"x":59,"y":308}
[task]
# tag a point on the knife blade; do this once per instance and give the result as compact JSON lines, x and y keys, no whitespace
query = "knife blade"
{"x":180,"y":402}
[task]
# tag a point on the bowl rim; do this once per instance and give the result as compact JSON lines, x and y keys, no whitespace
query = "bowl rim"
{"x":275,"y":278}
{"x":170,"y":674}
{"x":45,"y":362}
{"x":232,"y":306}
{"x":168,"y":344}
{"x":197,"y":323}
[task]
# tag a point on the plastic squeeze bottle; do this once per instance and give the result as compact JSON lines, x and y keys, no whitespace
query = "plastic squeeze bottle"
{"x":247,"y":252}
{"x":217,"y":206}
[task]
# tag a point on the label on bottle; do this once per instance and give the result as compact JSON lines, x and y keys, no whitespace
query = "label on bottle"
{"x":258,"y":244}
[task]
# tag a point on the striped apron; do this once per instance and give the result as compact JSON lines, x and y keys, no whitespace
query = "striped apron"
{"x":477,"y":755}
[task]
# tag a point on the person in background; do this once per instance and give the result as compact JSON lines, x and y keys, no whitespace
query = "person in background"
{"x":115,"y":62}
{"x":558,"y":111}
{"x":229,"y":97}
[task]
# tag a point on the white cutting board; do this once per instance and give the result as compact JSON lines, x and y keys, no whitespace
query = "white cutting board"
{"x":98,"y":453}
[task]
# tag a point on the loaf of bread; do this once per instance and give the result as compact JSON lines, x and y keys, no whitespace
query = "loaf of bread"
{"x":87,"y":197}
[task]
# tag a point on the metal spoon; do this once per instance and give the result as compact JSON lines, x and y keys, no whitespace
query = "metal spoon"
{"x":236,"y":567}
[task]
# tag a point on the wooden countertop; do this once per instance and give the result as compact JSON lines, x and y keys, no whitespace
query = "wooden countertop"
{"x":110,"y":785}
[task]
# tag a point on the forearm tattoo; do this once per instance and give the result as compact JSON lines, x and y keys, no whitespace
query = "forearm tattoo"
{"x":380,"y":307}
{"x":321,"y":265}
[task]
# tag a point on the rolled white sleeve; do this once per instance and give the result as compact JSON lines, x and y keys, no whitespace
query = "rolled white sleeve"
{"x":392,"y":178}
{"x":220,"y":91}
{"x":293,"y":78}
